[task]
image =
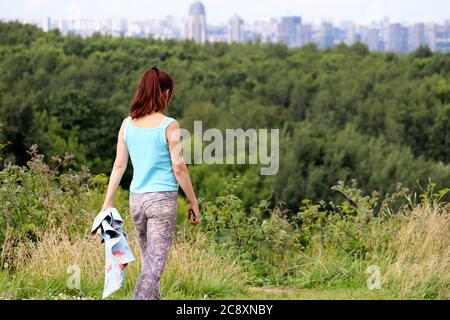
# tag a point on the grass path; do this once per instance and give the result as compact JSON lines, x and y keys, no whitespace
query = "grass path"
{"x":270,"y":293}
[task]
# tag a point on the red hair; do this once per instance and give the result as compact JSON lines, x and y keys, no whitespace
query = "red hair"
{"x":149,"y":95}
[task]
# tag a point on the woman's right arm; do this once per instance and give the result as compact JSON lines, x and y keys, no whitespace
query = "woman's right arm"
{"x":180,"y":169}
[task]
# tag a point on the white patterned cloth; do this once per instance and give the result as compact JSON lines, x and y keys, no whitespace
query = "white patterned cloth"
{"x":108,"y":224}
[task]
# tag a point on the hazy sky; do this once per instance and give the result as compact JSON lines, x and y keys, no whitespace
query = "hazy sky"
{"x":222,"y":10}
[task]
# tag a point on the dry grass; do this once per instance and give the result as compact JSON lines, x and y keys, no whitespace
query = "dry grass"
{"x":42,"y":267}
{"x":192,"y":270}
{"x":418,"y":260}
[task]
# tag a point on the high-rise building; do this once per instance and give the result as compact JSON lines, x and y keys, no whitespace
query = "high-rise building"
{"x":350,"y":32}
{"x":416,"y":36}
{"x":196,"y":24}
{"x":443,"y":38}
{"x":397,"y":38}
{"x":304,"y":35}
{"x":266,"y":30}
{"x":326,"y":35}
{"x":46,"y":24}
{"x":287,"y":30}
{"x":430,"y":36}
{"x":134,"y":29}
{"x":117,"y":27}
{"x":236,"y":29}
{"x":61,"y":25}
{"x":373,"y":39}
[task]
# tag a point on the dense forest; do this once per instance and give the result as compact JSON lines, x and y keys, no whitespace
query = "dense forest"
{"x":345,"y":113}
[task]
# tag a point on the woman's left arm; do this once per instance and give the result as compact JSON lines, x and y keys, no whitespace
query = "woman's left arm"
{"x":119,"y":167}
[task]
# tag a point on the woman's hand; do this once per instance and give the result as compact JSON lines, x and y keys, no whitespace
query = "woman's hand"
{"x":107,"y":206}
{"x":194,"y":215}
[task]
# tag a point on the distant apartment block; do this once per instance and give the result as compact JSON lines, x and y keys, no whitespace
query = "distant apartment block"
{"x":397,"y":40}
{"x":373,"y":40}
{"x":416,"y":36}
{"x":304,"y":34}
{"x":325,"y":35}
{"x":288,"y":30}
{"x":196,"y":24}
{"x":236,"y":29}
{"x":443,"y":37}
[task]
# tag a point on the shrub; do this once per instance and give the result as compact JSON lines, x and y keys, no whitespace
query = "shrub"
{"x":263,"y":238}
{"x":39,"y":197}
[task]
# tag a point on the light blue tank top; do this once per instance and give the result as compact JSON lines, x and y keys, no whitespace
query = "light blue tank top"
{"x":150,"y":157}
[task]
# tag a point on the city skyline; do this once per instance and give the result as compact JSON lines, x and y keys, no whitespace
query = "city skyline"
{"x":220,"y":11}
{"x":384,"y":34}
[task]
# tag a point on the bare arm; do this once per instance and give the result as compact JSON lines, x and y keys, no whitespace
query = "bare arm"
{"x":119,"y":167}
{"x":180,"y":169}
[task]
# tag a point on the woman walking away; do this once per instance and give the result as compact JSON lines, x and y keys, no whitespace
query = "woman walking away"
{"x":153,"y":142}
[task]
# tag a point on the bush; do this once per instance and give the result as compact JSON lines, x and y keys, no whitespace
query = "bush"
{"x":263,"y":239}
{"x":42,"y":197}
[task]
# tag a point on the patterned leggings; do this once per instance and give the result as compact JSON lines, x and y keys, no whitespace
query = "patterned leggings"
{"x":154,"y":216}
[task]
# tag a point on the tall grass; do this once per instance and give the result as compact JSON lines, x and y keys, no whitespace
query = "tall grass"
{"x":195,"y":270}
{"x":417,"y":262}
{"x":192,"y":271}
